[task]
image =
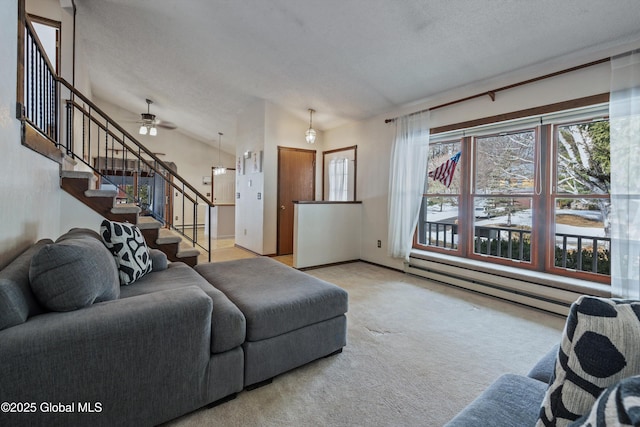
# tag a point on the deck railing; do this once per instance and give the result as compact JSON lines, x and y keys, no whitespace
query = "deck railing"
{"x":572,"y":252}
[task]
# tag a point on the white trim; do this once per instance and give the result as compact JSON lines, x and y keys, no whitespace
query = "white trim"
{"x":564,"y":116}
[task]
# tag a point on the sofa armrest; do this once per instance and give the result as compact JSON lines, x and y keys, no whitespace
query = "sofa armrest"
{"x":159,"y":260}
{"x":543,"y":369}
{"x":131,"y":355}
{"x":511,"y":400}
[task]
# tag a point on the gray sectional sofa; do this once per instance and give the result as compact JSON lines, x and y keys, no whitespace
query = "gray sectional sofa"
{"x":142,"y":354}
{"x":591,"y":378}
{"x":511,"y":400}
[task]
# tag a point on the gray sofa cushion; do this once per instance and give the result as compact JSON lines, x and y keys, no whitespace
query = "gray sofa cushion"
{"x":512,"y":400}
{"x":76,"y":233}
{"x":126,"y":243}
{"x":543,"y":369}
{"x":73,"y":273}
{"x":275,"y":299}
{"x":599,"y":347}
{"x":227,"y":322}
{"x":17,"y":302}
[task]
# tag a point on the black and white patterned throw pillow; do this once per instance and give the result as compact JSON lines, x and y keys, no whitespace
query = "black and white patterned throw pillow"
{"x":618,"y":406}
{"x":126,"y":243}
{"x":599,"y":347}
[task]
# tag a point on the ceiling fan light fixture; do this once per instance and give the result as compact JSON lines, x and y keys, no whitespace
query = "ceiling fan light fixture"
{"x":310,"y":134}
{"x":148,"y":121}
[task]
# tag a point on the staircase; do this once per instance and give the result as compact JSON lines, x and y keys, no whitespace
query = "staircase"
{"x":61,"y":123}
{"x":80,"y":184}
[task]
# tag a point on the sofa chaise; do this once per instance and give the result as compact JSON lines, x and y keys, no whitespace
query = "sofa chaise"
{"x":77,"y":349}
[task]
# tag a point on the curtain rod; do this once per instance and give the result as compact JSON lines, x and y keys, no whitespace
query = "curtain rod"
{"x":492,"y":93}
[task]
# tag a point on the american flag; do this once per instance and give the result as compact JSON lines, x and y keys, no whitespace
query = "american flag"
{"x":444,"y":172}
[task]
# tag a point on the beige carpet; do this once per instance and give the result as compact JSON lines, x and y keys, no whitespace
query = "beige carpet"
{"x":417,"y":353}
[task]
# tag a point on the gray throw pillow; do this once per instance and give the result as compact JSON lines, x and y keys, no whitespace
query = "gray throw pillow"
{"x":74,"y":273}
{"x":17,"y":302}
{"x":126,"y":243}
{"x":76,"y":233}
{"x":599,"y":347}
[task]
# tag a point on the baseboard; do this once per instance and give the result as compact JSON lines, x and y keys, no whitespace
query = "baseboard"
{"x":528,"y":293}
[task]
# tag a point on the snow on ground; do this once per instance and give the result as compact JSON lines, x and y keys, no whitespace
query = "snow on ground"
{"x":448,"y":215}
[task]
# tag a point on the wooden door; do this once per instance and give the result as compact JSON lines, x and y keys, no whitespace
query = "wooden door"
{"x":296,"y":182}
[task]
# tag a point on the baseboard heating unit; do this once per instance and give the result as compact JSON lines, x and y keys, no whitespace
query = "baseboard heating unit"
{"x":539,"y":290}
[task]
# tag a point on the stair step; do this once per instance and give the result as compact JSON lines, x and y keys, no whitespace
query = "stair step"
{"x":126,"y":208}
{"x":101,"y":193}
{"x":148,"y":223}
{"x":68,"y":161}
{"x":187,"y":251}
{"x":65,"y":173}
{"x":167,"y":237}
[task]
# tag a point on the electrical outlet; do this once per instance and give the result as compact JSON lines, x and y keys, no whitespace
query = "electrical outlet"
{"x":379,"y":243}
{"x":176,"y":217}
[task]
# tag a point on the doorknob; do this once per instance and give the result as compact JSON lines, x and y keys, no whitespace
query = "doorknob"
{"x":282,"y":207}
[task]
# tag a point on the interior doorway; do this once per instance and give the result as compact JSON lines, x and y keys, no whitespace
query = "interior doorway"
{"x":48,"y":32}
{"x":296,"y":182}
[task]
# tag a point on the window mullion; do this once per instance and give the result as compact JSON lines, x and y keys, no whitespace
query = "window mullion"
{"x":543,"y":224}
{"x":465,"y":225}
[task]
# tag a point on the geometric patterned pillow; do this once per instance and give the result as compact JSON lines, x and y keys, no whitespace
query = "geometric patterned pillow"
{"x":600,"y":346}
{"x":126,"y":243}
{"x":619,"y":405}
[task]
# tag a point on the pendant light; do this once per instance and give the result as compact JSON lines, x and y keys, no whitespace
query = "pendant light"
{"x":310,"y":134}
{"x":219,"y":170}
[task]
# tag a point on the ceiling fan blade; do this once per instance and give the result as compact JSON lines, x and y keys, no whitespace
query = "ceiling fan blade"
{"x":165,"y":124}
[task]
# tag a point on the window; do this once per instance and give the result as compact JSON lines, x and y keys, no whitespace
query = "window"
{"x":580,"y":196}
{"x":339,"y":179}
{"x":503,"y":193}
{"x":439,"y":213}
{"x":533,"y":195}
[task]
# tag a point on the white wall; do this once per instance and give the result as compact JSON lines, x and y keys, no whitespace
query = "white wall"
{"x":250,"y":209}
{"x":29,"y":188}
{"x":283,"y":129}
{"x":374,"y":137}
{"x":326,"y":233}
{"x":266,"y":126}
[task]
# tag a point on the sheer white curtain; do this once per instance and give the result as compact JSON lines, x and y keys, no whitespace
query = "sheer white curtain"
{"x":408,"y":171}
{"x":624,"y":113}
{"x":338,"y":179}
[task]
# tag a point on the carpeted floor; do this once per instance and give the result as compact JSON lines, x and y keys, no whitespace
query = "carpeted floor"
{"x":417,"y":352}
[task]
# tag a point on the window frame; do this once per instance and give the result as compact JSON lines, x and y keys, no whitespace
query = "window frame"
{"x":534,"y":263}
{"x":543,"y":198}
{"x":458,"y":251}
{"x":554,"y":195}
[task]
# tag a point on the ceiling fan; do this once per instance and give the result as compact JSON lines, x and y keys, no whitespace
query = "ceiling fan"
{"x":149,"y":123}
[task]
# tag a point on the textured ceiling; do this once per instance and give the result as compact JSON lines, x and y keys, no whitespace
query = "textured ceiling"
{"x":204,"y":61}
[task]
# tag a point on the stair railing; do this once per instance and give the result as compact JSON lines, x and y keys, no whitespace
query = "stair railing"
{"x":119,"y":160}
